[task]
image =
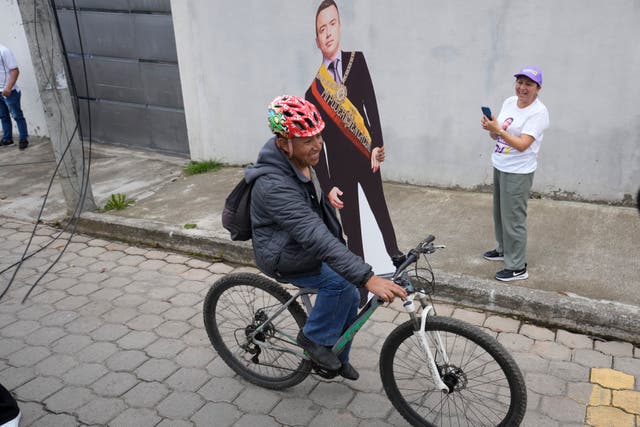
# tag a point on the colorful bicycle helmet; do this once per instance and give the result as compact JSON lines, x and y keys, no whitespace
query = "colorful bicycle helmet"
{"x":294,"y":117}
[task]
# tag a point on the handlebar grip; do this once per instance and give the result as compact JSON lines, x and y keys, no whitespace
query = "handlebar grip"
{"x":427,"y":240}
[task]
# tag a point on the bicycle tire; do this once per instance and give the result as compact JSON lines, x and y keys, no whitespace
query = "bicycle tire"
{"x":485,"y":383}
{"x":235,"y":305}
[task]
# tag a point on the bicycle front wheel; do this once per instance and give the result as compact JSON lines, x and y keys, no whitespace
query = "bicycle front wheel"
{"x":234,"y":308}
{"x":486,"y":387}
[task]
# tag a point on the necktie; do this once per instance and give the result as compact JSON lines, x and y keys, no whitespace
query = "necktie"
{"x":333,"y":67}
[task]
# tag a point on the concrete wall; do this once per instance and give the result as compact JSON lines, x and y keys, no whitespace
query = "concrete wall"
{"x":433,"y":63}
{"x":13,"y":36}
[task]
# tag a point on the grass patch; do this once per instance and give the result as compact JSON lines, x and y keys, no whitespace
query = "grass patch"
{"x":194,"y":168}
{"x":189,"y":226}
{"x":117,"y":202}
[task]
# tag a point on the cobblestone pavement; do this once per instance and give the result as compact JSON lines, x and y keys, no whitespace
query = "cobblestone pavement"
{"x":113,"y":335}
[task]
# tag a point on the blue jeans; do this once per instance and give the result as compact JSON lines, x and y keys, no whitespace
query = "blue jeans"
{"x":11,"y":104}
{"x":335,"y":308}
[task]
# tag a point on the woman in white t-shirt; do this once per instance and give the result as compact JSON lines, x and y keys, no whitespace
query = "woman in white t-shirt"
{"x":518,"y":132}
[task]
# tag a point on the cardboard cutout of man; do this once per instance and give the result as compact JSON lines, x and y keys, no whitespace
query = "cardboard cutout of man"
{"x":343,"y":93}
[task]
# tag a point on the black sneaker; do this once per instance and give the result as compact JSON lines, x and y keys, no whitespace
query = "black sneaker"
{"x":6,"y":142}
{"x":349,"y":372}
{"x":507,"y":275}
{"x":319,"y":353}
{"x":493,"y":255}
{"x":24,"y":143}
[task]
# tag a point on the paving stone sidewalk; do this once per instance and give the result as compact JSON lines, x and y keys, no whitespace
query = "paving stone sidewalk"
{"x":113,"y":335}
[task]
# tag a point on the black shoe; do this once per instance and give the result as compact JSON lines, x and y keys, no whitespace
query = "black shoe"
{"x":23,"y":144}
{"x":397,"y":260}
{"x":319,"y":353}
{"x":507,"y":275}
{"x":6,"y":142}
{"x":349,"y":372}
{"x":493,"y":255}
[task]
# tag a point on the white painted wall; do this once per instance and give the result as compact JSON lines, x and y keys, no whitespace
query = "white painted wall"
{"x":433,"y":63}
{"x":13,"y":36}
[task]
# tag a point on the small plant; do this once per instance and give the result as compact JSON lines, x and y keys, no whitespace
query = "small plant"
{"x":189,"y":226}
{"x":194,"y":168}
{"x":117,"y":202}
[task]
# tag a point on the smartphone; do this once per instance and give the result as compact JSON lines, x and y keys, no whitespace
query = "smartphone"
{"x":487,"y":112}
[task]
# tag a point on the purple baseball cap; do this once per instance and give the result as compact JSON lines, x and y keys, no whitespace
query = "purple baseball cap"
{"x":534,"y":73}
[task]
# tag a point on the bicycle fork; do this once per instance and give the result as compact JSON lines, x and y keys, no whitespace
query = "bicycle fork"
{"x":420,"y":333}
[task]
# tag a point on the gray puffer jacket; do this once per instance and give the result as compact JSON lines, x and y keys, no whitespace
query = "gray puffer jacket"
{"x":292,"y":231}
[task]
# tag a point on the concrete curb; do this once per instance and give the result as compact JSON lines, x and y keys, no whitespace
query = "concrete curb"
{"x":157,"y":234}
{"x":606,"y":319}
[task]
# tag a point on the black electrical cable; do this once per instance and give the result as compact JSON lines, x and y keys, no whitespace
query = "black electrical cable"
{"x":46,"y":196}
{"x":85,"y":176}
{"x":24,"y":256}
{"x":58,"y":164}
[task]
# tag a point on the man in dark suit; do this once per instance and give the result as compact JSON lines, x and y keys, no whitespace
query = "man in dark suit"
{"x":343,"y":92}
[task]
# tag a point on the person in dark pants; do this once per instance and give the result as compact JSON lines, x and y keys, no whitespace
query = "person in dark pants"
{"x":10,"y":100}
{"x":343,"y":93}
{"x":296,"y":235}
{"x":9,"y":411}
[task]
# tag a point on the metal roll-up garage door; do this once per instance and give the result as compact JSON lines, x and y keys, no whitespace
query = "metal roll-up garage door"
{"x":131,"y":72}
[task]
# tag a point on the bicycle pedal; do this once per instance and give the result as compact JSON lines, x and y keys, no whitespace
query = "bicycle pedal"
{"x":324,"y":373}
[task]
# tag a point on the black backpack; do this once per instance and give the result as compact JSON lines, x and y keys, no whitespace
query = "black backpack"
{"x":236,"y":216}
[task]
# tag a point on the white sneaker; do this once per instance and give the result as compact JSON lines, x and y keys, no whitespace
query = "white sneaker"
{"x":14,"y":422}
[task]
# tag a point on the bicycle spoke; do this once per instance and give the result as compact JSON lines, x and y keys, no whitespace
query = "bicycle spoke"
{"x":479,"y":393}
{"x":264,"y":348}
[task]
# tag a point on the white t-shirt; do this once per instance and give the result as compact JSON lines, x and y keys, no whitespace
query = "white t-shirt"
{"x":7,"y":63}
{"x":531,"y":120}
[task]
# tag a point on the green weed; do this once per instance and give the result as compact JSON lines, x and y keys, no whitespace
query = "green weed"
{"x":117,"y":202}
{"x":194,"y":168}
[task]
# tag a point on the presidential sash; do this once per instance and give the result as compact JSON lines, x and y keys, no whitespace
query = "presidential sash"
{"x":333,"y":99}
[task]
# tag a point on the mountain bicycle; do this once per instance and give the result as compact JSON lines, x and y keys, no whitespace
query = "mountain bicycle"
{"x":437,"y":371}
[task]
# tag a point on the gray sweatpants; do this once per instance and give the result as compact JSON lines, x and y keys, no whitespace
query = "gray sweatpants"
{"x":510,"y":196}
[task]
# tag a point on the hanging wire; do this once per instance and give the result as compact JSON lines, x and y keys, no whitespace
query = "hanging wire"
{"x":86,"y":162}
{"x":87,"y":165}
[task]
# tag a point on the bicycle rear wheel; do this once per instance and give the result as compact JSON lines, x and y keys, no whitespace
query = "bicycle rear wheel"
{"x":486,"y":387}
{"x":236,"y":306}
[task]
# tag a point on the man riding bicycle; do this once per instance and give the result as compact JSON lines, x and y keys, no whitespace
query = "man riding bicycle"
{"x":296,"y":235}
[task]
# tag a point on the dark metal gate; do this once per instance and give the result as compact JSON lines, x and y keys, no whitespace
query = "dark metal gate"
{"x":131,"y":69}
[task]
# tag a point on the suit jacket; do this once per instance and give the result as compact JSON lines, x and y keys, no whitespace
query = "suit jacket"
{"x":346,"y":161}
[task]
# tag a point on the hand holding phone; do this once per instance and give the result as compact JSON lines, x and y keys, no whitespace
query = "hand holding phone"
{"x":487,"y":112}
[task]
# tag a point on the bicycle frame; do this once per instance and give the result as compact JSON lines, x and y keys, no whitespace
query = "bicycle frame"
{"x":363,"y":315}
{"x":304,"y":294}
{"x":357,"y":324}
{"x":400,"y":276}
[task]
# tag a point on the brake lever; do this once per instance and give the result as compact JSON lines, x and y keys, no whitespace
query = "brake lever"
{"x":431,"y":248}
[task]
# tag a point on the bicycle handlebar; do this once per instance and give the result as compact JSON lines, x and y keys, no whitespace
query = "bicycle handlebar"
{"x":426,"y":242}
{"x":424,"y":247}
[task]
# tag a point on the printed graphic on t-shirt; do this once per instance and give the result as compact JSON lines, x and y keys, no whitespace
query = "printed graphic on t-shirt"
{"x":501,"y":146}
